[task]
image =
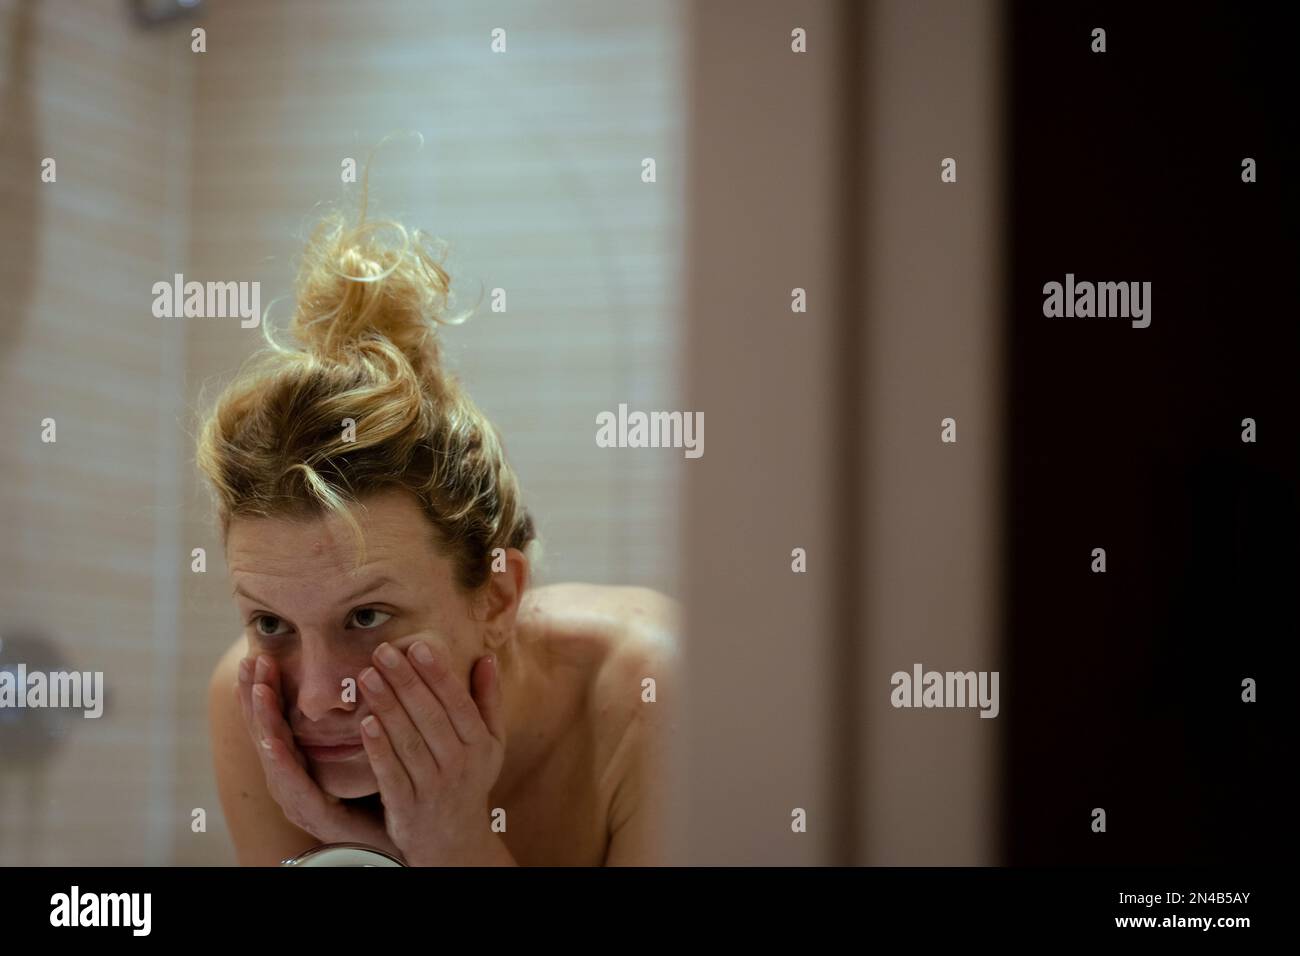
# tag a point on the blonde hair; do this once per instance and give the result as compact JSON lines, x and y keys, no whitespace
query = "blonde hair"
{"x":368,"y":298}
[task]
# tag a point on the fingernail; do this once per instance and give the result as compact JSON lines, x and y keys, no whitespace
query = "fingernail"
{"x":244,"y":668}
{"x":370,"y":677}
{"x":387,"y":656}
{"x":262,"y":694}
{"x":370,"y":726}
{"x":259,"y":674}
{"x":266,"y":744}
{"x":422,"y":653}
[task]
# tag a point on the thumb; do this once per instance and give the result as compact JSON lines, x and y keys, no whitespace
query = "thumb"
{"x":487,"y":694}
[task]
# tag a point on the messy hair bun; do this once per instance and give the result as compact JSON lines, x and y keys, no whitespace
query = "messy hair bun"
{"x":356,"y":282}
{"x":368,"y":300}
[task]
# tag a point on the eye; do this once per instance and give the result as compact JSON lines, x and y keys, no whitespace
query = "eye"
{"x":368,"y":618}
{"x":267,"y":625}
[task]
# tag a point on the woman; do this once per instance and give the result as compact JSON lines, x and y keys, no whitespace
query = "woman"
{"x":397,"y":683}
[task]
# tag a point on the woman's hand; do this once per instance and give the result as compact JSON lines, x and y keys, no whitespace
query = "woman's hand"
{"x":436,"y":752}
{"x":305,"y":805}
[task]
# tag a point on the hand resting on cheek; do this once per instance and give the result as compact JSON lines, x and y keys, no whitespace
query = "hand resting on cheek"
{"x":303,"y":802}
{"x":436,"y":749}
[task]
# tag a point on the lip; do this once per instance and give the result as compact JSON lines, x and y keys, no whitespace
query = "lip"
{"x":329,"y":752}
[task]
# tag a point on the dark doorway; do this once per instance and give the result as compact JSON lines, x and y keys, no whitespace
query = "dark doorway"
{"x":1123,"y":689}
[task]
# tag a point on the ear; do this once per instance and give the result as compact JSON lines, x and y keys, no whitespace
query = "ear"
{"x":501,"y":596}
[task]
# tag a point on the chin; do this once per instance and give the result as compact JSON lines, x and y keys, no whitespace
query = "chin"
{"x":346,"y":783}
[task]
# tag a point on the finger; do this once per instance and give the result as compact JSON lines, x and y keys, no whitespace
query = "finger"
{"x":421,"y":703}
{"x":244,"y":690}
{"x":395,"y":786}
{"x":271,"y":721}
{"x":284,"y":766}
{"x":266,"y":674}
{"x":486,"y":683}
{"x":406,"y":738}
{"x":266,"y":671}
{"x":269,"y":715}
{"x":248,"y":703}
{"x":434,"y":669}
{"x":304,"y":804}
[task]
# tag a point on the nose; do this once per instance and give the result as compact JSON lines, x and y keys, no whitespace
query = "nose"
{"x":321,"y":687}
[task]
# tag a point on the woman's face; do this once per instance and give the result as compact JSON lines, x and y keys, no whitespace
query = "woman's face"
{"x":302,"y":603}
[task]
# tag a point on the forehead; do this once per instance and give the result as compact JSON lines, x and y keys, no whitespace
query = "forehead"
{"x":399,"y":541}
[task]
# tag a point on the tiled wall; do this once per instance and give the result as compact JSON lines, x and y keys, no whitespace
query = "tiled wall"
{"x":90,"y":522}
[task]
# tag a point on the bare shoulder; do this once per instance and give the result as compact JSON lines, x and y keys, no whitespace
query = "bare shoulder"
{"x":619,"y":634}
{"x":643,"y":653}
{"x":592,"y":602}
{"x":613,"y":637}
{"x":631,"y":649}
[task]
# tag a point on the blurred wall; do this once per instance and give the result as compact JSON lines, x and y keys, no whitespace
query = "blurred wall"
{"x":930,"y":578}
{"x":89,"y":570}
{"x":761,"y":640}
{"x":820,"y":171}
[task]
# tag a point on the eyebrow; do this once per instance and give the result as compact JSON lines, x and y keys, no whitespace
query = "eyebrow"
{"x":374,"y":585}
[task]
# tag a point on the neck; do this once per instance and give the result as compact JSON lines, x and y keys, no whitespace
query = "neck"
{"x":527,"y":733}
